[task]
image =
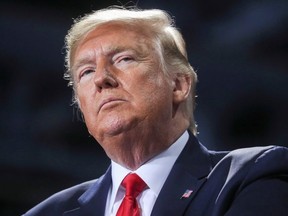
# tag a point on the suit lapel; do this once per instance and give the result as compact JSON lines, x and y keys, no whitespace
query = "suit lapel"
{"x":187,"y":175}
{"x":93,"y":201}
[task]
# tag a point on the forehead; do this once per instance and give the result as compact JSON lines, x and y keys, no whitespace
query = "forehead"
{"x":114,"y":36}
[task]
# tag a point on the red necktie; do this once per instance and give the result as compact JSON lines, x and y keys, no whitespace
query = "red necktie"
{"x":134,"y":185}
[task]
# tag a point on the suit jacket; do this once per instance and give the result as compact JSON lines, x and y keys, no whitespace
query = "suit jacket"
{"x":244,"y":182}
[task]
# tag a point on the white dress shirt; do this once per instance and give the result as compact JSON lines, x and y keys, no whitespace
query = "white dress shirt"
{"x":154,"y":173}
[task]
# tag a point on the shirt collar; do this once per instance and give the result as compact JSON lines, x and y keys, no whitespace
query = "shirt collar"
{"x":155,"y":171}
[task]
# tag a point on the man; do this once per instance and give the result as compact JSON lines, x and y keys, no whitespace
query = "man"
{"x":135,"y":87}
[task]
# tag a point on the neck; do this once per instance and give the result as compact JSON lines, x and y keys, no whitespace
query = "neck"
{"x":132,"y":149}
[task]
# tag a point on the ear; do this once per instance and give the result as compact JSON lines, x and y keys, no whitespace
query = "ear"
{"x":182,"y":87}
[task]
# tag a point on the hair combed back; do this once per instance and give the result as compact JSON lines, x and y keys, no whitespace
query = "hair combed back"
{"x":157,"y":20}
{"x":155,"y":23}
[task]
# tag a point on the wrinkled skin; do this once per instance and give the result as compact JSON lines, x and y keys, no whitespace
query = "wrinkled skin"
{"x":130,"y":107}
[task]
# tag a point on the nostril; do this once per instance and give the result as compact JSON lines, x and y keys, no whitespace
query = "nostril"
{"x":108,"y":84}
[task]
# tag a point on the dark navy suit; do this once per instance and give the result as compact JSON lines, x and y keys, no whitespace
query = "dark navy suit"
{"x":245,"y":182}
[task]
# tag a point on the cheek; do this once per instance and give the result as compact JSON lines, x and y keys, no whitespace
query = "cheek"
{"x":85,"y":102}
{"x":155,"y":95}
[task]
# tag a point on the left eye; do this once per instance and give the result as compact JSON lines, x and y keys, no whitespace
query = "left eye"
{"x":126,"y":59}
{"x":121,"y":58}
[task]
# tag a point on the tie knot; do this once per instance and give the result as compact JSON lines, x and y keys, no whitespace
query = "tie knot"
{"x":133,"y":184}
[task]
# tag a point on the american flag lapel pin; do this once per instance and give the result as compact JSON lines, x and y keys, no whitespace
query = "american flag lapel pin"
{"x":186,"y":194}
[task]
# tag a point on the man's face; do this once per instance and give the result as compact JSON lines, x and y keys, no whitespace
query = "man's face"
{"x":119,"y":84}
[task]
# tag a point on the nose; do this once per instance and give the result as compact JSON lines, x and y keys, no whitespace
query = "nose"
{"x":104,"y":78}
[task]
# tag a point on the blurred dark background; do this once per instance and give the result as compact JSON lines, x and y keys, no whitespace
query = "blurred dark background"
{"x":239,"y":48}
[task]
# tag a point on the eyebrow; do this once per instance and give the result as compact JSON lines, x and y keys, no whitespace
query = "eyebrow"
{"x":87,"y":59}
{"x":118,"y":49}
{"x":138,"y":50}
{"x":82,"y":61}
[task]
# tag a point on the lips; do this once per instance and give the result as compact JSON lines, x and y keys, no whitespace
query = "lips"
{"x":108,"y":101}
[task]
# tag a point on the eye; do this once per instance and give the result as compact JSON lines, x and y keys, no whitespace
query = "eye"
{"x":86,"y":72}
{"x":126,"y":59}
{"x":123,"y":58}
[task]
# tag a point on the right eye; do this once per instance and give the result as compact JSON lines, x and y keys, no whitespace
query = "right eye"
{"x":86,"y":72}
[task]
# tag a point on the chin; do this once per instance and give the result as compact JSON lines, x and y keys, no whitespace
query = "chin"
{"x":113,"y":128}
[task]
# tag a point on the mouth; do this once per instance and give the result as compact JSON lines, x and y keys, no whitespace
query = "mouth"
{"x":109,"y":103}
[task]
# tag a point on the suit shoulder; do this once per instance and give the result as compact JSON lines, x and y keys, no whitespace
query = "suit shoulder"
{"x":259,"y":154}
{"x":255,"y":162}
{"x":60,"y":201}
